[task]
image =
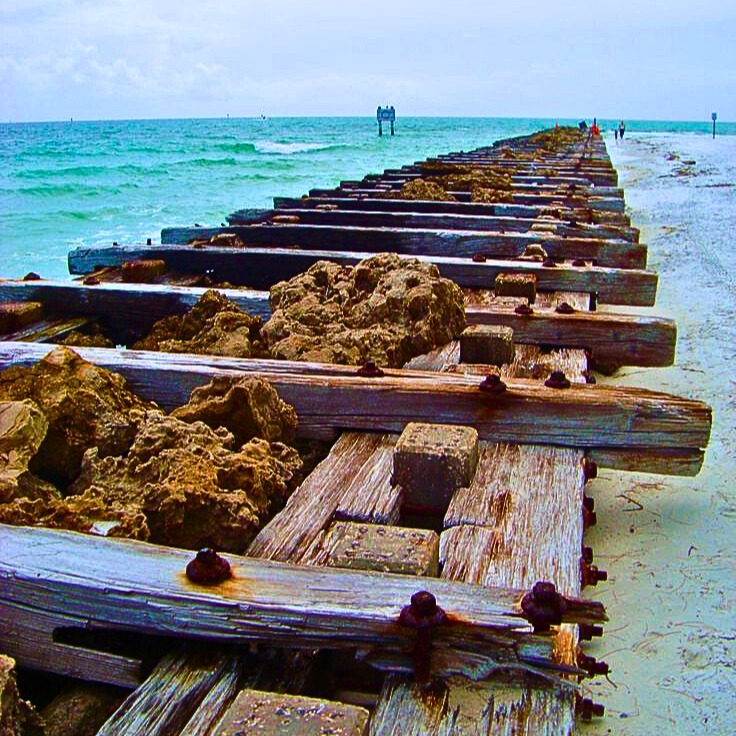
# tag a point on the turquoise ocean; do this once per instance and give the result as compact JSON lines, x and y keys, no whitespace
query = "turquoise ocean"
{"x":70,"y":184}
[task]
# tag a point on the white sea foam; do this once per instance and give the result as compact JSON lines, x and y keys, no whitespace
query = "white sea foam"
{"x":289,"y":148}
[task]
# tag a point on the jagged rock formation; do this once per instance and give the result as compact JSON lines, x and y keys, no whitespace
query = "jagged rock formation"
{"x":77,"y":339}
{"x":420,"y":189}
{"x":85,"y":406}
{"x":247,"y":407}
{"x":385,"y":309}
{"x":214,"y":326}
{"x":17,"y":716}
{"x":191,"y":483}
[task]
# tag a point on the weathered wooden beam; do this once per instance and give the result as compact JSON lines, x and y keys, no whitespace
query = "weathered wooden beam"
{"x":436,"y":221}
{"x":330,"y":397}
{"x":261,"y":268}
{"x":422,"y":241}
{"x":105,"y":583}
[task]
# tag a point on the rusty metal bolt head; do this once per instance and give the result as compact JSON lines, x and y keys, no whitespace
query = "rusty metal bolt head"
{"x":543,"y":606}
{"x":549,"y":263}
{"x":479,"y":258}
{"x":369,"y":369}
{"x":557,"y":379}
{"x":589,"y":502}
{"x":588,"y":376}
{"x":492,"y":384}
{"x":208,"y":568}
{"x":590,"y":518}
{"x":590,"y":575}
{"x":31,"y":276}
{"x":523,"y":309}
{"x":586,"y":632}
{"x":590,"y":469}
{"x":564,"y":308}
{"x":91,"y":281}
{"x":423,"y":612}
{"x":586,"y":709}
{"x":587,"y":555}
{"x":591,"y":665}
{"x":579,"y":263}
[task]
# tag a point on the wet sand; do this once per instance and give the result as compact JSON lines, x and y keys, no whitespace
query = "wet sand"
{"x":668,"y":543}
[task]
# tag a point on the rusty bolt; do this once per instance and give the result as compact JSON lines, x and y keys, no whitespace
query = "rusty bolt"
{"x":479,"y":258}
{"x":590,"y":575}
{"x":586,"y":632}
{"x":589,"y":503}
{"x":369,"y":369}
{"x":587,"y":709}
{"x":493,"y":384}
{"x":564,"y":308}
{"x":208,"y":568}
{"x":549,"y":263}
{"x":587,"y":555}
{"x":543,"y":606}
{"x":588,"y":376}
{"x":557,"y":379}
{"x":31,"y":276}
{"x":579,"y":263}
{"x":422,"y":614}
{"x":591,"y":665}
{"x":590,"y":469}
{"x":91,"y":281}
{"x":589,"y":518}
{"x":523,"y":309}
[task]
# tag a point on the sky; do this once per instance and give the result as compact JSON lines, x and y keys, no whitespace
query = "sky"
{"x":107,"y":59}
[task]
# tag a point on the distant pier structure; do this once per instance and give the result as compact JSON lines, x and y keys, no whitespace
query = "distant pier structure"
{"x":385,"y":115}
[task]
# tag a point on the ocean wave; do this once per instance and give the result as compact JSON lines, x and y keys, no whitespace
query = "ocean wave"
{"x":207,"y":162}
{"x":286,"y":149}
{"x":236,"y":147}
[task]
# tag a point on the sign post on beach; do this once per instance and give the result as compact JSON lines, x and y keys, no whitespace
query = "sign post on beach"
{"x":714,"y":117}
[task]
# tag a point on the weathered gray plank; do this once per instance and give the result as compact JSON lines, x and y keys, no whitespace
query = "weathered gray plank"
{"x":261,"y":268}
{"x":421,"y":241}
{"x":329,"y":397}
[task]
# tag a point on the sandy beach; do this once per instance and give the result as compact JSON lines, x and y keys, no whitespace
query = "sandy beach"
{"x":668,"y":543}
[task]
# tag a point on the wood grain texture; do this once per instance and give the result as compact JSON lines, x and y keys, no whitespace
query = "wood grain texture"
{"x":384,"y":236}
{"x":134,"y":586}
{"x":261,"y":268}
{"x":329,"y":398}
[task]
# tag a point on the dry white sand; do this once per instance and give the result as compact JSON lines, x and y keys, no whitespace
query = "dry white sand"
{"x":668,"y":543}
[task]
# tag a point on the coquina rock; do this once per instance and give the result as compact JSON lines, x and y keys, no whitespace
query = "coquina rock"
{"x":85,"y":406}
{"x":247,"y":407}
{"x":191,"y":484}
{"x":385,"y":309}
{"x":214,"y":326}
{"x":17,"y":716}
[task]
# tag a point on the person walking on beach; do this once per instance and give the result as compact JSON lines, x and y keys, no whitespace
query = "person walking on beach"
{"x":615,"y":134}
{"x":621,"y":129}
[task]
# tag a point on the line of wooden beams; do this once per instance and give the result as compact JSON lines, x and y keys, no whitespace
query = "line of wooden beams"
{"x":261,"y":268}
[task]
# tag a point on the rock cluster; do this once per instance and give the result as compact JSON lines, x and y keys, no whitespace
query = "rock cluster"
{"x":420,"y":189}
{"x":386,"y":309}
{"x":214,"y":326}
{"x":210,"y":476}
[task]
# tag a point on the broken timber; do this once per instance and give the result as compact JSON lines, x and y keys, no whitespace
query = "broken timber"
{"x":109,"y":584}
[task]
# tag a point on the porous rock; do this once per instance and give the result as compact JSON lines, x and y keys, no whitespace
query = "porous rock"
{"x":22,"y":431}
{"x":385,"y":309}
{"x":420,"y":189}
{"x":17,"y":716}
{"x":86,"y":406}
{"x":247,"y":407}
{"x":191,"y":485}
{"x":214,"y":326}
{"x":77,"y":339}
{"x":81,"y":709}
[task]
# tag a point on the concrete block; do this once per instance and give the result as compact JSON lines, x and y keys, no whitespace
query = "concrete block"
{"x":274,"y":714}
{"x":381,"y":548}
{"x":516,"y":284}
{"x":488,"y":344}
{"x":431,"y":461}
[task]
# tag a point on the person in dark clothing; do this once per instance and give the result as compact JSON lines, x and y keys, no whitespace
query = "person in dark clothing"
{"x":621,"y":129}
